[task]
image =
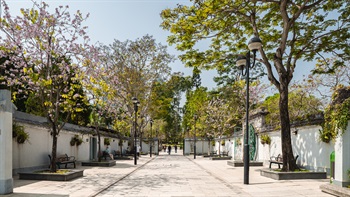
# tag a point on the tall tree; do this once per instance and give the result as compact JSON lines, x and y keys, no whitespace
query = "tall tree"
{"x":135,"y":66}
{"x":165,"y":103}
{"x":194,"y":106}
{"x":292,"y":31}
{"x":44,"y":50}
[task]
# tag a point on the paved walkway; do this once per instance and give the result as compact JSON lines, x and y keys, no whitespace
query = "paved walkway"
{"x":169,"y":175}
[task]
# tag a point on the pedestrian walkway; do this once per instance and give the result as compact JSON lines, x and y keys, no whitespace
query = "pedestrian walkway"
{"x":169,"y":175}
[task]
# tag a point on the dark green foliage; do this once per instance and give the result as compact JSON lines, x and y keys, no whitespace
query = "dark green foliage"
{"x":301,"y":107}
{"x":19,"y":134}
{"x":337,"y":115}
{"x":76,"y":141}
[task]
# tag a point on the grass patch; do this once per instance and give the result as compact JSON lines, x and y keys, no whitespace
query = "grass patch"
{"x":60,"y":171}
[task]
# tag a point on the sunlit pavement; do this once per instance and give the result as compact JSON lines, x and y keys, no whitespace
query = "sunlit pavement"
{"x":169,"y":175}
{"x":177,"y":175}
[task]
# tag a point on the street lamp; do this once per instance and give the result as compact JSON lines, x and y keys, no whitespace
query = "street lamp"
{"x":195,"y":120}
{"x":243,"y":62}
{"x":150,"y":147}
{"x":136,"y":108}
{"x":157,"y":141}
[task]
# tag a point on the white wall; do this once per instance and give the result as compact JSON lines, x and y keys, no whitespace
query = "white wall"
{"x":342,"y":158}
{"x":264,"y":152}
{"x":313,"y":154}
{"x":33,"y":154}
{"x":202,"y":146}
{"x":6,"y":158}
{"x":146,"y":147}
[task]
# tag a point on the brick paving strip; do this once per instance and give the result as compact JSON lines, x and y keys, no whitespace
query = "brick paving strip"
{"x":120,"y":179}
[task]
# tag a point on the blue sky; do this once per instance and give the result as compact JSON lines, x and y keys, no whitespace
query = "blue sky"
{"x":130,"y":19}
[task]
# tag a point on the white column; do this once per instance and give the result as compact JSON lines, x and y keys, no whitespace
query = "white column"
{"x":6,"y":180}
{"x":342,"y":159}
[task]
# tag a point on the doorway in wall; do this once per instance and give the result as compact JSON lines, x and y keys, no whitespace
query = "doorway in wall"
{"x":93,"y":149}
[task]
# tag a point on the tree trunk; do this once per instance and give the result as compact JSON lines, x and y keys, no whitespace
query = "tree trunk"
{"x":54,"y":149}
{"x":140,"y":139}
{"x":121,"y":148}
{"x":219,"y":147}
{"x":287,"y":151}
{"x":209,"y":146}
{"x":99,"y":155}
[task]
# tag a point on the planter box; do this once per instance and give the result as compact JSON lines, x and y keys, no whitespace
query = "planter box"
{"x":107,"y":163}
{"x":73,"y":174}
{"x":292,"y":175}
{"x":241,"y":164}
{"x":123,"y":158}
{"x":221,"y":158}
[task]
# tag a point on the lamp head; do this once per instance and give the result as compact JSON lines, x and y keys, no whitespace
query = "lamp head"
{"x":254,"y":44}
{"x":241,"y":61}
{"x":134,"y":100}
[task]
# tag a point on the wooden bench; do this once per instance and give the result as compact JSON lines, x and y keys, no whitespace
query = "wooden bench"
{"x":278,"y":160}
{"x":224,"y":153}
{"x":63,"y":160}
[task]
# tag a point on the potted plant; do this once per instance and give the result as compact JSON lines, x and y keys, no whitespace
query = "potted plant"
{"x":265,"y":139}
{"x":76,"y":141}
{"x":107,"y":141}
{"x":238,"y":142}
{"x":19,"y":134}
{"x":223,"y":143}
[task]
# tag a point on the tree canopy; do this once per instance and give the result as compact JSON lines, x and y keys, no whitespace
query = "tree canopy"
{"x":42,"y":48}
{"x":291,"y":31}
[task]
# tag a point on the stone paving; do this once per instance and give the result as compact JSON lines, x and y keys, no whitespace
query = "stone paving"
{"x":169,"y":176}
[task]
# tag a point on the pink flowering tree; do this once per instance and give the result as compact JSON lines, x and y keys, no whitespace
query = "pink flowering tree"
{"x":218,"y":118}
{"x":46,"y":50}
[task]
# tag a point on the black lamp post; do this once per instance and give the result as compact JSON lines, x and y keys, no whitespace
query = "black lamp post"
{"x":195,"y":120}
{"x":243,"y":62}
{"x":150,"y":147}
{"x":157,"y":141}
{"x":136,"y":108}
